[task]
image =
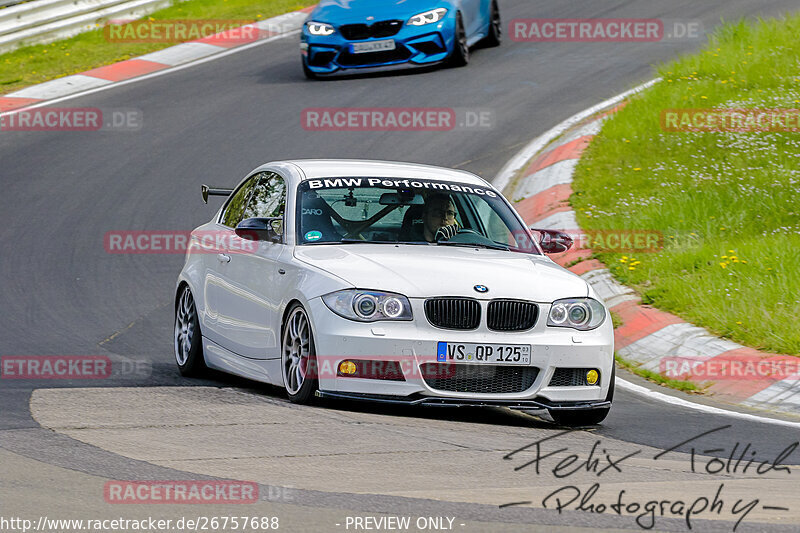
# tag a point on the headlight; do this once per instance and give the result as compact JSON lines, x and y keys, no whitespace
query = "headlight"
{"x":320,"y":28}
{"x":577,"y":313}
{"x":429,"y":17}
{"x":368,"y":306}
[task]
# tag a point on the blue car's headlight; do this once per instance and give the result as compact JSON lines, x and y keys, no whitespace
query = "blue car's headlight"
{"x":428,"y":17}
{"x":320,"y":28}
{"x":368,"y":306}
{"x":577,"y":313}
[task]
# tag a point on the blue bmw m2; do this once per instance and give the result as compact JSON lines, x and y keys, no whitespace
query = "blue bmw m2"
{"x":370,"y":35}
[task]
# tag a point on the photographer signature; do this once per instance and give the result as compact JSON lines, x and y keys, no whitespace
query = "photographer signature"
{"x":739,"y":459}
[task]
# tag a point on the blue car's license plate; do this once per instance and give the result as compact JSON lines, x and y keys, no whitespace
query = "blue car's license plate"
{"x":372,"y":46}
{"x":496,"y":354}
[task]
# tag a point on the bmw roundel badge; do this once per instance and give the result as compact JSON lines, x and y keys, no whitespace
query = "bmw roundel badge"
{"x":481,"y":288}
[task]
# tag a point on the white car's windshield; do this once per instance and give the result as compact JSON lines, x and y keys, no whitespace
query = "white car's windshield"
{"x":413,"y":211}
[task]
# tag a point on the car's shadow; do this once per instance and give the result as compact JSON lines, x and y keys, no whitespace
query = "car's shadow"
{"x":389,"y":73}
{"x":496,"y":416}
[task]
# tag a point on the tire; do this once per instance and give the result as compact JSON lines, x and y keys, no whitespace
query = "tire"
{"x":586,"y":418}
{"x":307,"y":71}
{"x":459,"y":57}
{"x":188,"y":340}
{"x":495,"y":36}
{"x":298,"y":357}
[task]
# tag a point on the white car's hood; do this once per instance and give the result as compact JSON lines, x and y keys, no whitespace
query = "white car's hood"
{"x":423,"y":271}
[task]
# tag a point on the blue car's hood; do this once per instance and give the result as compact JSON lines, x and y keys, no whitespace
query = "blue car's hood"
{"x":349,"y":11}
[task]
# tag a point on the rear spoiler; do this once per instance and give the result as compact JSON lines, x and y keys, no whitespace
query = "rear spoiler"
{"x":206,"y":191}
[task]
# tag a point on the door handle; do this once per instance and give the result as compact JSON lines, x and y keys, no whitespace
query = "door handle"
{"x":224,"y":258}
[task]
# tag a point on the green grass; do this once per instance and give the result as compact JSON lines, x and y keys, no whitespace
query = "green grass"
{"x":655,"y":377}
{"x":35,"y":64}
{"x":728,"y":204}
{"x":616,"y":320}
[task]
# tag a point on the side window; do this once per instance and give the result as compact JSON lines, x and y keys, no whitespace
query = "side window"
{"x":234,"y":211}
{"x":269,"y":197}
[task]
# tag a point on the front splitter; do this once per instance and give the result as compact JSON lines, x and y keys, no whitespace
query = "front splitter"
{"x":430,"y":401}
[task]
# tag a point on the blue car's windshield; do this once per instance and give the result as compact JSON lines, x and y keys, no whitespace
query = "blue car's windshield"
{"x":413,"y":211}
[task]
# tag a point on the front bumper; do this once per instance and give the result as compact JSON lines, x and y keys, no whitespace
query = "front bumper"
{"x":411,"y":346}
{"x":414,"y":46}
{"x":426,"y":401}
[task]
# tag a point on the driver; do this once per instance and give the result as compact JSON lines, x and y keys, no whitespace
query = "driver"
{"x":439,"y":218}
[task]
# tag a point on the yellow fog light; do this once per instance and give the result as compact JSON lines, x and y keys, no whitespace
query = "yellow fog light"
{"x":592,"y":376}
{"x":347,"y":367}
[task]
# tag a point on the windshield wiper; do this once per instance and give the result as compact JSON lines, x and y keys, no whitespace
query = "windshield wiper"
{"x":474,"y":245}
{"x":415,"y":243}
{"x":359,"y":241}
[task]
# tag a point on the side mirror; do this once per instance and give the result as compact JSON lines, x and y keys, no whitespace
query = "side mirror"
{"x":261,"y":229}
{"x":553,"y":241}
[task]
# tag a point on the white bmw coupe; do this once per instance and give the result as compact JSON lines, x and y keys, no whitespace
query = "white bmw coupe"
{"x":391,"y":282}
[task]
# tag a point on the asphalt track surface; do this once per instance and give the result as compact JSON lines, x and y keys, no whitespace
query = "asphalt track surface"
{"x":62,"y":294}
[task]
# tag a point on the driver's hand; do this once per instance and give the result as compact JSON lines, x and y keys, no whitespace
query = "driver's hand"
{"x":446,"y":232}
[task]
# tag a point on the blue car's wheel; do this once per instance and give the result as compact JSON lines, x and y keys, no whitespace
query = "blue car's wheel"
{"x":494,"y":38}
{"x":459,"y":57}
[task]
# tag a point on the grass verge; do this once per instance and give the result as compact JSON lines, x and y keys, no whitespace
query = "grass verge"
{"x":727,"y":203}
{"x":39,"y":63}
{"x":655,"y":377}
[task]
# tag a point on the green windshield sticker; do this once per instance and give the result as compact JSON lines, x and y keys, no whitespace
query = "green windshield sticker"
{"x":313,"y":236}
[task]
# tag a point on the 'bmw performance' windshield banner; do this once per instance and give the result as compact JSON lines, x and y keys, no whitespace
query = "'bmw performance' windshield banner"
{"x":335,"y":183}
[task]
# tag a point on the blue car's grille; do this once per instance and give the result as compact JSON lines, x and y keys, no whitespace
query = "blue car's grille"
{"x":346,"y":59}
{"x":358,"y":32}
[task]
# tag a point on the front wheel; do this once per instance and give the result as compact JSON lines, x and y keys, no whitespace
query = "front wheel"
{"x":494,"y":38}
{"x":298,"y":357}
{"x":459,"y":57}
{"x":188,"y":339}
{"x":586,"y":418}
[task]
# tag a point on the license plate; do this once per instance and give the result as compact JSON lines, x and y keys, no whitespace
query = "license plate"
{"x":372,"y":46}
{"x":495,"y":354}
